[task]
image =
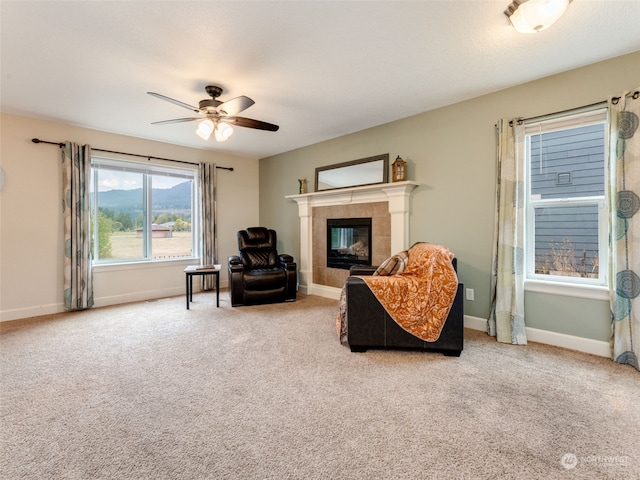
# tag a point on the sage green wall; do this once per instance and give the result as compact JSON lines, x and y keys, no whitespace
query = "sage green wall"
{"x":581,"y":317}
{"x":451,"y":152}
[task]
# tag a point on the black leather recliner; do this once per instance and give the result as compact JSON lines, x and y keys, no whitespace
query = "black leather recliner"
{"x":258,"y":274}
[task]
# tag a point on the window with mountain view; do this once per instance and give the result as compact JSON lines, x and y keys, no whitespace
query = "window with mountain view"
{"x":141,"y":212}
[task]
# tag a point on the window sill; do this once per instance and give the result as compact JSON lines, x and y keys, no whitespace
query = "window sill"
{"x":144,"y":265}
{"x":593,"y":292}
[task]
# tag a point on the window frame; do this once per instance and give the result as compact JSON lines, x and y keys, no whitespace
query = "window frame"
{"x":147,"y":170}
{"x":566,"y":285}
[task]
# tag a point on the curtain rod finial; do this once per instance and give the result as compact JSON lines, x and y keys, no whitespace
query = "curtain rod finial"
{"x":37,"y":140}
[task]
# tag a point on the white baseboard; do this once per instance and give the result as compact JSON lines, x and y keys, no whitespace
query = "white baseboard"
{"x":324,"y":291}
{"x":580,"y":344}
{"x":139,"y":296}
{"x":586,"y":345}
{"x":40,"y":310}
{"x":105,"y":301}
{"x":28,"y":312}
{"x":475,"y":323}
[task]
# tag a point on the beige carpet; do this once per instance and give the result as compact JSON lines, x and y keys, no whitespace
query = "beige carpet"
{"x":153,"y":391}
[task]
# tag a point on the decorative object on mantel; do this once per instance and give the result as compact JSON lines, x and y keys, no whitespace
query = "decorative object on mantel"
{"x":303,"y":185}
{"x":365,"y":171}
{"x":399,"y":168}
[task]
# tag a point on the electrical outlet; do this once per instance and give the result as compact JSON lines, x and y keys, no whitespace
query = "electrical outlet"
{"x":470,"y":294}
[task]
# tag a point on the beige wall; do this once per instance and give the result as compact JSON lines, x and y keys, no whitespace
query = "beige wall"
{"x":31,"y":243}
{"x":451,"y":152}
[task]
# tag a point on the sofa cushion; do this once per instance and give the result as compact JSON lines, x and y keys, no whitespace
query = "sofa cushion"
{"x":264,"y":278}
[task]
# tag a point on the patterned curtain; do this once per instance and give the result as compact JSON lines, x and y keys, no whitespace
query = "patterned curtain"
{"x":624,"y":248}
{"x":78,"y":281}
{"x":506,"y":320}
{"x":209,"y":222}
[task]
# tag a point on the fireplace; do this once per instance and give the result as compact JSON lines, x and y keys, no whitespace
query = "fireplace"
{"x":348,"y":242}
{"x":388,"y":206}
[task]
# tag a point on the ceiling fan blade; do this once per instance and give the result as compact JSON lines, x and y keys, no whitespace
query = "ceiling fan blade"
{"x":250,"y":123}
{"x":176,"y":102}
{"x":234,"y":106}
{"x":177,"y":120}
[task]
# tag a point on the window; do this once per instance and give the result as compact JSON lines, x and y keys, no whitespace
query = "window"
{"x":566,"y":209}
{"x":142,"y":212}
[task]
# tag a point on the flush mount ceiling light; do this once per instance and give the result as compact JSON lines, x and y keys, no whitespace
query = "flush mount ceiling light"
{"x":533,"y":16}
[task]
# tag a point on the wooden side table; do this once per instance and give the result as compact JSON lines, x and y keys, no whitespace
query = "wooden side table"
{"x":192,"y":270}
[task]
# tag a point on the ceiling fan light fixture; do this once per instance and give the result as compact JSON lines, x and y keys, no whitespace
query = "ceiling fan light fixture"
{"x":533,"y":16}
{"x":205,"y":128}
{"x":223,"y":131}
{"x":216,"y":116}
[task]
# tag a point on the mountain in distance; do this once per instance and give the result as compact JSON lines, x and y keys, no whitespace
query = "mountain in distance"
{"x":164,"y":199}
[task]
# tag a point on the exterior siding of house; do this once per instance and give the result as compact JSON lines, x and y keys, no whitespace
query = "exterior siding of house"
{"x":571,"y":166}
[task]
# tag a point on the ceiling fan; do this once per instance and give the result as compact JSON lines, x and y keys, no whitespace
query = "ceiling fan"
{"x":217,"y":117}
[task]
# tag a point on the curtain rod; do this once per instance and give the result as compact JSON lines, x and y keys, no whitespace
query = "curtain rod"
{"x":635,"y":94}
{"x":561,"y":112}
{"x":148,"y":157}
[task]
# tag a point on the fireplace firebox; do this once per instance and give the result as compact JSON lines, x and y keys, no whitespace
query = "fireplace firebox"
{"x":348,"y":242}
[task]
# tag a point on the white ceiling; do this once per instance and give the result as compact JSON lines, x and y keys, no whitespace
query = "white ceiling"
{"x":319,"y":69}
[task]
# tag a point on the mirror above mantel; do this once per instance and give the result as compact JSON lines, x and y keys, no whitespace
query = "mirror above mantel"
{"x":365,"y":171}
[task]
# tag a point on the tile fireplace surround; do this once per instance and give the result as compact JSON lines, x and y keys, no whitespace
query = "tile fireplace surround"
{"x":388,"y":206}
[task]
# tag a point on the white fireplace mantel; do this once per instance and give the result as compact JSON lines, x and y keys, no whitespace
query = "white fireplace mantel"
{"x":396,"y":194}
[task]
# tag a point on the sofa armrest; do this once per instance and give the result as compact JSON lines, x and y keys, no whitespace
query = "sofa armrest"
{"x":285,"y":258}
{"x":287,"y":262}
{"x":362,"y":270}
{"x":235,"y":264}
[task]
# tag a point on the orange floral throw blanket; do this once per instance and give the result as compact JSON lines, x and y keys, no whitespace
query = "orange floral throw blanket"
{"x":420,"y":297}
